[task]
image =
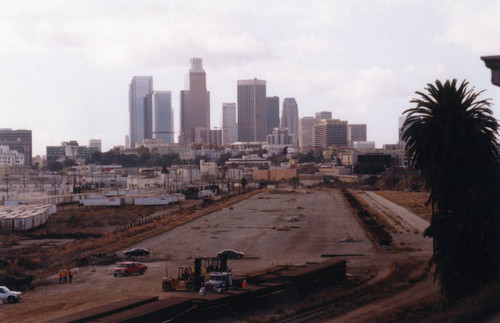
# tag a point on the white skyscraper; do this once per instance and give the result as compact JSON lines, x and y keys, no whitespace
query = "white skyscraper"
{"x":229,"y":125}
{"x":96,"y":143}
{"x":306,"y":125}
{"x":140,"y":88}
{"x":290,"y":116}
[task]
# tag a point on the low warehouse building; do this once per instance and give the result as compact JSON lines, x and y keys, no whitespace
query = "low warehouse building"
{"x":24,"y":217}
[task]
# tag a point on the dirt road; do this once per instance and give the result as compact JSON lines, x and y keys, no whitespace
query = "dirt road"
{"x":409,"y":233}
{"x":287,"y":227}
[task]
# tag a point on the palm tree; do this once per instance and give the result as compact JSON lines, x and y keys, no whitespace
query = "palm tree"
{"x":451,"y":138}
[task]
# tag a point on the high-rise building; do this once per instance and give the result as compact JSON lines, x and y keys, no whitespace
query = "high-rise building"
{"x":229,"y":125}
{"x":69,"y":149}
{"x":290,"y":116}
{"x":355,"y":132}
{"x":18,"y":140}
{"x":162,"y":121}
{"x":208,"y":136}
{"x":252,"y":110}
{"x":401,"y":121}
{"x":280,"y":136}
{"x":330,"y":132}
{"x":306,"y":125}
{"x":273,"y":113}
{"x":10,"y":157}
{"x":323,"y":115}
{"x":195,"y":102}
{"x":95,"y":143}
{"x":140,"y":124}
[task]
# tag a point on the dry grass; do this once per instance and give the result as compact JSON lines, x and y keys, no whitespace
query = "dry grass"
{"x":415,"y":202}
{"x":44,"y":261}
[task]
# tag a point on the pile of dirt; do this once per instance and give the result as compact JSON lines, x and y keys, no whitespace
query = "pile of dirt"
{"x":16,"y":281}
{"x":98,"y":259}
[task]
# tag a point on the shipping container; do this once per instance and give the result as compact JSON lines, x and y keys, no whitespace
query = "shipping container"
{"x":101,"y":202}
{"x":155,"y":200}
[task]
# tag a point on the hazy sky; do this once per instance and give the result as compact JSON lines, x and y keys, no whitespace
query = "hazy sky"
{"x":65,"y":66}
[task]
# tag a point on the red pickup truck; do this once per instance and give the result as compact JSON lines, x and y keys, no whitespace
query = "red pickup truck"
{"x":130,"y":268}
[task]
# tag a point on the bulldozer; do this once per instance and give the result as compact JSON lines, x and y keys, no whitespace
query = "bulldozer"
{"x":192,"y":278}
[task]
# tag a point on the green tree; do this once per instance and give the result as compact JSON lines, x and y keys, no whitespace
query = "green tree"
{"x":450,"y":137}
{"x":54,"y":166}
{"x":223,"y":159}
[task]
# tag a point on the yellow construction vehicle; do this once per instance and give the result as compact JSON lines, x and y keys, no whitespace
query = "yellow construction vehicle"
{"x":192,"y":278}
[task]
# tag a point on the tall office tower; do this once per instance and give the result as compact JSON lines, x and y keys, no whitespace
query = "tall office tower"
{"x":290,"y":117}
{"x":330,"y":132}
{"x":252,"y":110}
{"x":19,"y":140}
{"x":195,"y":102}
{"x":355,"y":132}
{"x":306,"y":125}
{"x":95,"y":143}
{"x":229,"y":125}
{"x":140,"y":123}
{"x":323,"y":115}
{"x":401,"y":121}
{"x":280,"y":136}
{"x":273,"y":113}
{"x":162,"y":121}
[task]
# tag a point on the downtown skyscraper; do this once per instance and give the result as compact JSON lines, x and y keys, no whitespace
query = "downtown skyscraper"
{"x":162,"y":118}
{"x":195,"y":103}
{"x":273,"y":113}
{"x":229,"y":125}
{"x":139,"y":115}
{"x":252,"y":110}
{"x":290,"y":117}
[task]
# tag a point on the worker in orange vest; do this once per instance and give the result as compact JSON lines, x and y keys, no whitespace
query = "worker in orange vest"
{"x":244,"y":284}
{"x":60,"y":276}
{"x":70,"y":276}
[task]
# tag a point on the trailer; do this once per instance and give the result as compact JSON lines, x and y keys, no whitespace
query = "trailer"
{"x":155,"y":200}
{"x":102,"y":202}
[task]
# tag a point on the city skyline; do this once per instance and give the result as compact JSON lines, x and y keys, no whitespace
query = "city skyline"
{"x":362,"y":60}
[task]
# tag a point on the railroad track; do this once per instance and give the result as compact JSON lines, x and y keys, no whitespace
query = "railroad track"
{"x":327,"y":311}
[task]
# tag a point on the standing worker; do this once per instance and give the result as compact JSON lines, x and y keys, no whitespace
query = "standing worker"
{"x":60,"y":276}
{"x":64,"y":276}
{"x":70,"y":276}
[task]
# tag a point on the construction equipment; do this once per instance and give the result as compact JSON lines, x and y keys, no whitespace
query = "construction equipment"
{"x":207,"y":201}
{"x":192,"y":278}
{"x":217,"y":283}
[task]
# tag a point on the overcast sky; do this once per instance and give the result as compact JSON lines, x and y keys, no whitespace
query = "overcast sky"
{"x":65,"y":66}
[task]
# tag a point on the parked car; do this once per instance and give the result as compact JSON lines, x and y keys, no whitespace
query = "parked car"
{"x":130,"y":268}
{"x":9,"y":295}
{"x":230,"y":254}
{"x":137,"y":252}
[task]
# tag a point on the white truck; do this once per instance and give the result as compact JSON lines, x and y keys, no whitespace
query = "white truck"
{"x":217,"y":282}
{"x":9,"y":296}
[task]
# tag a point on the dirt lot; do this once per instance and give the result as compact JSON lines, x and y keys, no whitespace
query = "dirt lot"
{"x":281,"y":227}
